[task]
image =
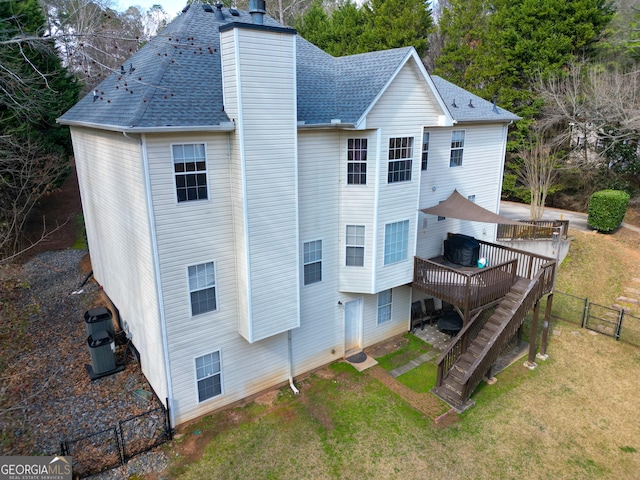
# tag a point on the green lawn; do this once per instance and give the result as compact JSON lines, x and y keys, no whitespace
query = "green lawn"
{"x":574,"y":417}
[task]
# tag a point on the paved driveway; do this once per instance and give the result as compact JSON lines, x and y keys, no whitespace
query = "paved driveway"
{"x":577,"y":220}
{"x":520,"y":211}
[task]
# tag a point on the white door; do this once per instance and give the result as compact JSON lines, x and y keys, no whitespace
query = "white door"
{"x":352,"y":323}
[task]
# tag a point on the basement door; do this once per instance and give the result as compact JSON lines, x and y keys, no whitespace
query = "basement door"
{"x":352,"y":326}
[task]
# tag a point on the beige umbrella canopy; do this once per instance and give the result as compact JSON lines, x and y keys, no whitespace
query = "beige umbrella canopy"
{"x":456,"y":206}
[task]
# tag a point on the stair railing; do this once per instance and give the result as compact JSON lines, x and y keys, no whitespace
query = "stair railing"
{"x":458,"y":346}
{"x":492,"y":349}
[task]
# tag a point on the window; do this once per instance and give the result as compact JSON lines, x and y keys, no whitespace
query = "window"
{"x":472,"y":198}
{"x":355,"y":245}
{"x":202,"y":288}
{"x":457,"y":146}
{"x":400,"y":159}
{"x":190,"y":169}
{"x":384,"y":306}
{"x":440,"y":219}
{"x":312,"y":258}
{"x":425,"y":150}
{"x":357,"y":161}
{"x":396,"y":241}
{"x":209,"y":376}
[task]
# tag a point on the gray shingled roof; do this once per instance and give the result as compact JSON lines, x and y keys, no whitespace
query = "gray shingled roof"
{"x":176,"y":82}
{"x":464,"y":106}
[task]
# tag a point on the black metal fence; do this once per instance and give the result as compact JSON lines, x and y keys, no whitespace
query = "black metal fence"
{"x":614,"y":322}
{"x":115,"y":446}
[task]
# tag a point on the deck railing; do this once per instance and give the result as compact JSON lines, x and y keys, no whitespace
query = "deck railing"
{"x":534,"y":230}
{"x":528,"y":263}
{"x":467,"y":290}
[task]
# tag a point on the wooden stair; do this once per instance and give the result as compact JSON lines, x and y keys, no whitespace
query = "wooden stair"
{"x":453,"y":389}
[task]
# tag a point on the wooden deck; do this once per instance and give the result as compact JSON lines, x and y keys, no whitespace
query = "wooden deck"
{"x":472,"y":289}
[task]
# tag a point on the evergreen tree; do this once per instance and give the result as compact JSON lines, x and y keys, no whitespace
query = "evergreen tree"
{"x":502,"y":46}
{"x":35,"y":88}
{"x":378,"y":25}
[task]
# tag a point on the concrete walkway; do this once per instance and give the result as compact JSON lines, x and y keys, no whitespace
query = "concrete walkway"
{"x":577,"y":220}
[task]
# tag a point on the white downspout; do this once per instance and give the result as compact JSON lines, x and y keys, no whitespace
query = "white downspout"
{"x":293,"y":387}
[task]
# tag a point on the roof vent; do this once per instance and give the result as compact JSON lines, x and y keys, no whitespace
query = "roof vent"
{"x":471,"y":105}
{"x":257,"y":9}
{"x":219,"y":14}
{"x":234,"y":12}
{"x":184,"y":10}
{"x":495,"y":103}
{"x":207,"y":8}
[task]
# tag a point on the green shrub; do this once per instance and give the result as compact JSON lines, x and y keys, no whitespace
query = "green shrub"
{"x":606,"y":209}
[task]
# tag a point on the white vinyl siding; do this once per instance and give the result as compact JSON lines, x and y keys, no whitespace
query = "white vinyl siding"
{"x":481,"y":176}
{"x":312,"y":258}
{"x":112,"y":187}
{"x":265,"y":146}
{"x":319,"y":340}
{"x":192,"y":336}
{"x":384,"y":306}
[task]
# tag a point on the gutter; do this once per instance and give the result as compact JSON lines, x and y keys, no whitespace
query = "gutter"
{"x":327,"y":126}
{"x":222,"y":127}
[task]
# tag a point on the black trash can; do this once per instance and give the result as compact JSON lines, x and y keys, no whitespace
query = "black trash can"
{"x":98,"y":320}
{"x":102,"y":351}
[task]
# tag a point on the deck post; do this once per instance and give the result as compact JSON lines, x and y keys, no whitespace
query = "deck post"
{"x":530,"y":363}
{"x":545,"y":330}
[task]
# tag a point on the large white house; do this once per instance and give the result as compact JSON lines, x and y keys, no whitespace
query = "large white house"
{"x":252,"y":204}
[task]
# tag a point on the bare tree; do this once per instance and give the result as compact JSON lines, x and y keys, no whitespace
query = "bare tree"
{"x":27,"y":174}
{"x":538,"y":171}
{"x":592,"y":109}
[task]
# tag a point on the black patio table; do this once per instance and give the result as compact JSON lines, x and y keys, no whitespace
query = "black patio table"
{"x":450,"y":322}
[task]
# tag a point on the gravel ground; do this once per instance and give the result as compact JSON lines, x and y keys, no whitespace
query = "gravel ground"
{"x":46,"y":394}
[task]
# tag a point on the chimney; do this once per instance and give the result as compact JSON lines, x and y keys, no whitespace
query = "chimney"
{"x":257,"y":9}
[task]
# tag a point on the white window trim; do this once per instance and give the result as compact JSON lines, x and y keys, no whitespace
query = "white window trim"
{"x":195,"y":375}
{"x":390,"y":304}
{"x":206,"y":171}
{"x":315,"y":261}
{"x":404,"y":159}
{"x":347,"y":245}
{"x":384,"y":252}
{"x":461,"y":149}
{"x":215,"y":286}
{"x":425,"y":165}
{"x":365,"y":162}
